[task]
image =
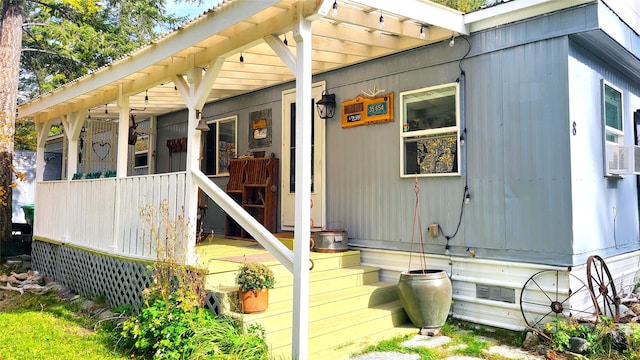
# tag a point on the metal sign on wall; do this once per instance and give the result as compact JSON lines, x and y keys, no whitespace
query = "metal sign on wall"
{"x":367,"y":110}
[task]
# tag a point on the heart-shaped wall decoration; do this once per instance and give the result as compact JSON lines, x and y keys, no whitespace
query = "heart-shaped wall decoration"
{"x":101,"y":149}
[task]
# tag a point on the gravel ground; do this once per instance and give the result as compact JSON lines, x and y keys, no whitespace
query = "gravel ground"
{"x":508,"y":352}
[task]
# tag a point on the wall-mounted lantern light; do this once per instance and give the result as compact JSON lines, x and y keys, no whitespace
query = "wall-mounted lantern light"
{"x":326,"y":105}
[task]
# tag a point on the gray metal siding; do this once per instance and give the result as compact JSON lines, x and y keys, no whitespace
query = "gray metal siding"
{"x":605,"y":218}
{"x":171,"y":126}
{"x":537,"y":193}
{"x":516,"y":153}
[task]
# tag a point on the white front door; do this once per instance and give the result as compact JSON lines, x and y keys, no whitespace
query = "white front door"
{"x":288,"y":184}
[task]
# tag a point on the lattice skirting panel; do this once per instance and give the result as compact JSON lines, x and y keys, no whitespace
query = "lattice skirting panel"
{"x":118,"y":281}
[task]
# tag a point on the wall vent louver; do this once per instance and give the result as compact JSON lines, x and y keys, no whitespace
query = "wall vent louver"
{"x":496,"y":293}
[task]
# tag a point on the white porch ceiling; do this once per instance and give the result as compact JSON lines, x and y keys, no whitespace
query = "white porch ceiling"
{"x":239,"y":27}
{"x":236,"y":28}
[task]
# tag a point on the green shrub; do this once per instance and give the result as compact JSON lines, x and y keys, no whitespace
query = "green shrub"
{"x":562,"y":330}
{"x":224,"y":339}
{"x":163,"y":328}
{"x":633,"y":352}
{"x":172,"y":323}
{"x":598,"y":336}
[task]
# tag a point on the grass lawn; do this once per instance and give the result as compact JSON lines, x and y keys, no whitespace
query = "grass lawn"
{"x":44,"y":327}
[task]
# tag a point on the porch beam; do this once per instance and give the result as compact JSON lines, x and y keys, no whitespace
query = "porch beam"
{"x":302,"y":233}
{"x":282,"y":50}
{"x":202,"y":93}
{"x":424,"y":12}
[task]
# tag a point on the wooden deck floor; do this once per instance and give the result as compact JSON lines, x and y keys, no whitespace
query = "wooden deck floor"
{"x":221,"y":254}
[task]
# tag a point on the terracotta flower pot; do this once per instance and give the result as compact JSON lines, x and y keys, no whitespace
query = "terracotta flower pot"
{"x":254,"y":301}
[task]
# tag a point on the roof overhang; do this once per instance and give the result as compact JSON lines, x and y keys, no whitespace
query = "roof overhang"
{"x":244,"y":28}
{"x":249,"y":28}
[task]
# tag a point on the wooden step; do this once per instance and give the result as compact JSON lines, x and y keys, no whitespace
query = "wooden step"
{"x":279,"y":315}
{"x":320,"y":282}
{"x":342,"y":330}
{"x":326,"y":281}
{"x":222,"y":273}
{"x":349,"y":307}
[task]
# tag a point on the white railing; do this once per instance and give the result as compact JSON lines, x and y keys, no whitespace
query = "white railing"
{"x":244,"y":219}
{"x":106,"y":214}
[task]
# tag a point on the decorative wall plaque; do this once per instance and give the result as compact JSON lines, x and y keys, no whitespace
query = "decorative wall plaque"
{"x":260,"y":133}
{"x":367,"y":110}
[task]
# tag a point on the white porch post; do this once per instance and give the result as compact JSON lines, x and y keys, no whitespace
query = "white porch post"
{"x":121,"y":162}
{"x":72,"y":123}
{"x":194,"y":91}
{"x":123,"y":134}
{"x":193,"y":153}
{"x":42,"y":130}
{"x":187,"y":91}
{"x":300,"y":341}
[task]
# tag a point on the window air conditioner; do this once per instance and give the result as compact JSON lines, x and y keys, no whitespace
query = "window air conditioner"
{"x":622,"y":159}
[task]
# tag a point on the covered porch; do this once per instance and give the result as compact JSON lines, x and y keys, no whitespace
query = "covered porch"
{"x":233,"y":49}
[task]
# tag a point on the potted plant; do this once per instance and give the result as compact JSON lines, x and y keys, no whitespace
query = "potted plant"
{"x":254,"y":281}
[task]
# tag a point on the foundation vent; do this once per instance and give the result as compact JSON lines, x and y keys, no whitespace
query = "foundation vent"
{"x":495,"y":293}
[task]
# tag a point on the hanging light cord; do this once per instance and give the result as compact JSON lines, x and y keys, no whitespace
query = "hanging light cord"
{"x":462,"y":81}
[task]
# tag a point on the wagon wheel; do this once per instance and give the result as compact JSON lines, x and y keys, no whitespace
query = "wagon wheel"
{"x":542,"y":300}
{"x":602,"y":286}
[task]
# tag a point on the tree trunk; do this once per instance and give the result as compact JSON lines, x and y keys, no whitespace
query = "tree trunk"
{"x":10,"y":48}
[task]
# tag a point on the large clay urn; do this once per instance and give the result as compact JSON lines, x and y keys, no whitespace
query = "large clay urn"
{"x":426,"y":297}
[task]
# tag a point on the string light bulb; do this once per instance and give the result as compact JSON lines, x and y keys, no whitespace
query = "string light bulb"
{"x":467,"y":198}
{"x":146,"y":97}
{"x":175,"y":89}
{"x":452,"y":41}
{"x":335,"y":8}
{"x":422,"y":34}
{"x":89,"y":116}
{"x":286,"y":43}
{"x":241,"y":58}
{"x":381,"y":20}
{"x":106,"y":109}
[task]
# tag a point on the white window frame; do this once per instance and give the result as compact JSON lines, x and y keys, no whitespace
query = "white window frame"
{"x":407,"y":136}
{"x":609,"y":130}
{"x":215,"y":123}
